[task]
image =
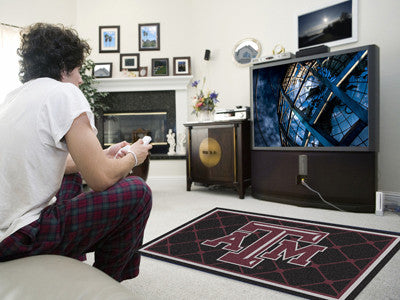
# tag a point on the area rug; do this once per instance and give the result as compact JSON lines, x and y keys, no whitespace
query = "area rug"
{"x":310,"y":259}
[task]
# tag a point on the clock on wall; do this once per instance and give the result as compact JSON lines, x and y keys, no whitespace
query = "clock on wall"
{"x":278,"y":49}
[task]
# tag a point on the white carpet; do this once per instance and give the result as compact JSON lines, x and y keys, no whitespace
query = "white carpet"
{"x":173,"y":206}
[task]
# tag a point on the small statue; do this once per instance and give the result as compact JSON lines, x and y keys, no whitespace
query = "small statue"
{"x":171,"y":142}
{"x":181,"y":149}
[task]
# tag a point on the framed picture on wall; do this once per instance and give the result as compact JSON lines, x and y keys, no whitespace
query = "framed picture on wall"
{"x":109,"y":39}
{"x":181,"y":65}
{"x":330,"y":25}
{"x":102,"y":70}
{"x":143,"y":71}
{"x":149,"y":36}
{"x":159,"y":67}
{"x":129,"y":61}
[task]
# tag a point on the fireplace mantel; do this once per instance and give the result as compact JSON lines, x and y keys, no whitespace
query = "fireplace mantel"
{"x":179,"y":84}
{"x":133,"y":84}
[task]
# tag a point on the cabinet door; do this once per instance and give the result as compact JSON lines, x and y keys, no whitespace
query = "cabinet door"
{"x":213,"y":156}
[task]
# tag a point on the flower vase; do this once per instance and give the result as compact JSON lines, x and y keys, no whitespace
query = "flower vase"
{"x":205,"y":116}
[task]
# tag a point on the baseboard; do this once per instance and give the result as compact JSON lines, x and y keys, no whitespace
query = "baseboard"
{"x":167,"y":178}
{"x":386,"y":201}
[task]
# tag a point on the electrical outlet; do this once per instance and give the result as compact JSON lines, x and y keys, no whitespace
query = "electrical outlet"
{"x":299,"y":178}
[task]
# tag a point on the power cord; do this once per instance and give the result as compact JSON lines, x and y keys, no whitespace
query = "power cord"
{"x":303,"y":182}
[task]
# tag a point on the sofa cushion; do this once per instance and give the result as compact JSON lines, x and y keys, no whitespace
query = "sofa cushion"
{"x":56,"y":277}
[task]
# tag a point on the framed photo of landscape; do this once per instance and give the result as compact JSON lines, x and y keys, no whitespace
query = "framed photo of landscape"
{"x":181,"y":65}
{"x":129,"y":61}
{"x":102,"y":70}
{"x":160,"y":67}
{"x":149,"y":36}
{"x":109,"y":39}
{"x":330,"y":25}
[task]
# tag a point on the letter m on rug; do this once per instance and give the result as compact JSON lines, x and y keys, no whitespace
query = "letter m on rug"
{"x":277,"y":242}
{"x":289,"y":249}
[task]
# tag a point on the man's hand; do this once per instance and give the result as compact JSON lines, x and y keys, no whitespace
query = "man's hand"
{"x":138,"y":148}
{"x":113,"y":150}
{"x":141,"y":150}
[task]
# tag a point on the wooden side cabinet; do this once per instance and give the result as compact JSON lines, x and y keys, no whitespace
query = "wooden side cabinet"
{"x":219,"y":154}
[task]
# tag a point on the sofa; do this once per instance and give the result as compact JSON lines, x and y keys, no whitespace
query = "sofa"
{"x":57,"y":277}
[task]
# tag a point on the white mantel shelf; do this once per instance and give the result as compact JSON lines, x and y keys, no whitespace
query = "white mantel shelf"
{"x":131,"y":84}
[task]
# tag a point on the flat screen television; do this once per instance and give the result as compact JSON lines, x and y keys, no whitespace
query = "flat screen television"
{"x":325,"y":102}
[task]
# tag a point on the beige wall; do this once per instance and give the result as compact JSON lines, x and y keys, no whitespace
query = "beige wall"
{"x":25,"y":12}
{"x":188,"y":27}
{"x":172,"y":15}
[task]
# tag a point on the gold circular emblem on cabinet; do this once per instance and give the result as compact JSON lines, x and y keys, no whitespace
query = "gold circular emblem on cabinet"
{"x":210,"y":152}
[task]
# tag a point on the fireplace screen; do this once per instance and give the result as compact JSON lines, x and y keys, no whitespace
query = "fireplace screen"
{"x":121,"y":126}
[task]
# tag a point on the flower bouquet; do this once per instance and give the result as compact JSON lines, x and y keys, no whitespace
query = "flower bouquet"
{"x":204,"y":102}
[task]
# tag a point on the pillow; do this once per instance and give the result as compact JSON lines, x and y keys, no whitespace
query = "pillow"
{"x":56,"y":277}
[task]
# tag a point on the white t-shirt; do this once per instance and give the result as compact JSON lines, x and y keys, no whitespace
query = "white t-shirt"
{"x":34,"y":119}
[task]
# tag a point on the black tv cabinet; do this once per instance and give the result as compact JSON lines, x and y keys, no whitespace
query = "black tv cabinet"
{"x":219,"y":154}
{"x":346,"y":179}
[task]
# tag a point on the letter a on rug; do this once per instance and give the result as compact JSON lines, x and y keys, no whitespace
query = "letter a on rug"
{"x":305,"y":258}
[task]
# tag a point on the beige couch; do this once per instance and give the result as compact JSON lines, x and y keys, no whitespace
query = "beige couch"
{"x":57,"y":277}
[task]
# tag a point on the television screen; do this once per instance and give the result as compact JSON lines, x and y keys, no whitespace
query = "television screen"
{"x":325,"y":102}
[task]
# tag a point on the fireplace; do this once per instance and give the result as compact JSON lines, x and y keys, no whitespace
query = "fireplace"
{"x":152,"y":104}
{"x":128,"y":126}
{"x":153,"y":112}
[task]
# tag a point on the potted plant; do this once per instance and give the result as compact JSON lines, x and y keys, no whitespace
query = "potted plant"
{"x":96,"y":99}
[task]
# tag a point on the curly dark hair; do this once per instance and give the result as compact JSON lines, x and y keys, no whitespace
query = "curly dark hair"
{"x":47,"y":50}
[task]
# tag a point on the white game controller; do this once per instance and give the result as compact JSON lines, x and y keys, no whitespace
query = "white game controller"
{"x":146,"y":140}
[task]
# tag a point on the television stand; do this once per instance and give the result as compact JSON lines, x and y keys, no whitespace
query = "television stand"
{"x":345,"y":179}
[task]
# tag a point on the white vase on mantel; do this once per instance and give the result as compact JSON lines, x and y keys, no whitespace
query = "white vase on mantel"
{"x":205,"y":116}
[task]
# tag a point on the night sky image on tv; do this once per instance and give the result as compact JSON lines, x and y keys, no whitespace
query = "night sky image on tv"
{"x":314,"y":103}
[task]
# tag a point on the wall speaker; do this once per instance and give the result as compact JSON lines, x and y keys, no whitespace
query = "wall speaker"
{"x":207,"y":54}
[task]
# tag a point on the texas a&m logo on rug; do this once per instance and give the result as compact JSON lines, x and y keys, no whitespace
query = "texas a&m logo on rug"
{"x":311,"y":259}
{"x":273,"y":245}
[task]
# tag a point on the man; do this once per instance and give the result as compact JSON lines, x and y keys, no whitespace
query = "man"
{"x":48,"y":130}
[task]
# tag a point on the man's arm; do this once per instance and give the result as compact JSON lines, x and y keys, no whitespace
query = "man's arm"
{"x":71,"y":168}
{"x":99,"y":169}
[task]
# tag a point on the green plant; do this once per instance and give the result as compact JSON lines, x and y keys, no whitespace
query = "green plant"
{"x":96,"y":99}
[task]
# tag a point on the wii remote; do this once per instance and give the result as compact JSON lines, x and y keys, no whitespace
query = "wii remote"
{"x":146,"y":140}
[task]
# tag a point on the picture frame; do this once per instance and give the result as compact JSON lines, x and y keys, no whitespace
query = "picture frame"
{"x":129,"y":61}
{"x":160,"y":67}
{"x":331,"y":25}
{"x":102,"y":70}
{"x":143,"y":71}
{"x":181,"y":65}
{"x":109,"y":39}
{"x":149,"y":36}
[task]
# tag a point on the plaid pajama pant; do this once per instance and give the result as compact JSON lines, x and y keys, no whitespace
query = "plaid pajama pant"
{"x":109,"y":223}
